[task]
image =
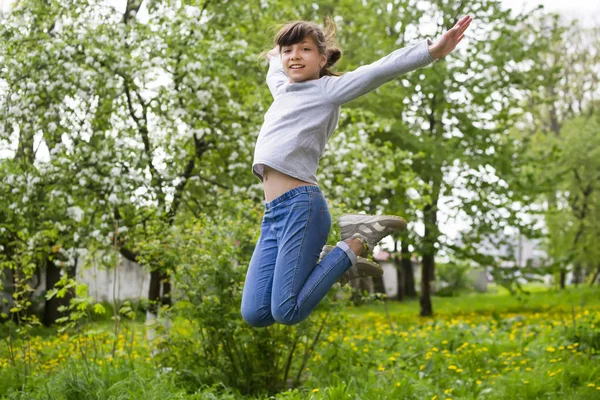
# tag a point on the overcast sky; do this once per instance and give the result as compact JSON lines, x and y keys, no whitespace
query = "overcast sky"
{"x":588,"y":11}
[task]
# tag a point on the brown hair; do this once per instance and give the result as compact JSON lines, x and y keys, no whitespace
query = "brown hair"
{"x":295,"y":31}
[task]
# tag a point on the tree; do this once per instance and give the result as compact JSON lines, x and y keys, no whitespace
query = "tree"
{"x":452,"y":118}
{"x":562,"y":98}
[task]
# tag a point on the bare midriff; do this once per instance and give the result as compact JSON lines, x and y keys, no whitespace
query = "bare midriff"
{"x":277,"y":183}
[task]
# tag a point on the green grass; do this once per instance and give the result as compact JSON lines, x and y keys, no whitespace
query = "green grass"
{"x":477,"y":346}
{"x":498,"y":299}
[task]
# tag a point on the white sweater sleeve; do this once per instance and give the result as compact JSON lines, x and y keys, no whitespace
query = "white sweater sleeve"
{"x":369,"y":77}
{"x":275,"y":75}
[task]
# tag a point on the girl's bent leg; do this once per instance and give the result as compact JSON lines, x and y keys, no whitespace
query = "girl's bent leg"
{"x":300,"y":283}
{"x":256,"y":298}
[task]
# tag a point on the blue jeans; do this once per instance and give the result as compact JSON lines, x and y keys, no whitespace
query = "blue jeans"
{"x":285,"y":281}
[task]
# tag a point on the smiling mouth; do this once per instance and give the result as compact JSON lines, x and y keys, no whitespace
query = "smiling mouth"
{"x":295,"y":67}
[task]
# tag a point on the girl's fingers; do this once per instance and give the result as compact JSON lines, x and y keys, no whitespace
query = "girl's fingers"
{"x":463,"y":23}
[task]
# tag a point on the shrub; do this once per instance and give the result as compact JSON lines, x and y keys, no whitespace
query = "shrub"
{"x":210,"y":257}
{"x":453,"y":278}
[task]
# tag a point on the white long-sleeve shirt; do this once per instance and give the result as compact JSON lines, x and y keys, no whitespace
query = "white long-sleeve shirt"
{"x":303,"y":115}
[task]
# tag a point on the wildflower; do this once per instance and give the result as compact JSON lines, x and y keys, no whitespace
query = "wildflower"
{"x":550,"y":349}
{"x":315,"y":390}
{"x":453,"y":367}
{"x":591,"y":385}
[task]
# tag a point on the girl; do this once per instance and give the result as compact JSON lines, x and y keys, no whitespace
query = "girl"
{"x":285,"y":280}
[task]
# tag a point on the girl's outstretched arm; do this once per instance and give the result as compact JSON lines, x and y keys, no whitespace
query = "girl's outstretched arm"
{"x":369,"y":77}
{"x":275,"y":75}
{"x":364,"y":79}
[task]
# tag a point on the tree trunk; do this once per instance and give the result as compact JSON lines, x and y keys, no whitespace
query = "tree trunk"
{"x":51,"y":313}
{"x":595,"y":277}
{"x":428,"y":262}
{"x":427,"y":268}
{"x":400,"y":277}
{"x":159,"y":291}
{"x":563,"y":278}
{"x":166,"y":290}
{"x":408,"y":272}
{"x":154,"y":292}
{"x":577,"y":274}
{"x":399,"y":274}
{"x":378,"y":285}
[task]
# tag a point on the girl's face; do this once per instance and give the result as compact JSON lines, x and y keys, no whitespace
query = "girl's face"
{"x":302,"y":61}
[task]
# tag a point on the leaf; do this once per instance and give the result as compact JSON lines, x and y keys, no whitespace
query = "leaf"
{"x":99,"y":309}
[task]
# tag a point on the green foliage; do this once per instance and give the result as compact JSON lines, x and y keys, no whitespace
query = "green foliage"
{"x":452,"y":278}
{"x":211,"y":257}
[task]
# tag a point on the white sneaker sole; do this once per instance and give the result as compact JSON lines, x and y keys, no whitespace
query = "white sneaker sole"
{"x":362,"y":269}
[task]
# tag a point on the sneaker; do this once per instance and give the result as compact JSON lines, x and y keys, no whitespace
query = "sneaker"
{"x":370,"y":228}
{"x":362,"y":268}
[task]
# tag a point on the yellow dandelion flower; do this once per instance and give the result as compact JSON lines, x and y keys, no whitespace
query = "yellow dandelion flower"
{"x":315,"y":390}
{"x":453,"y":367}
{"x":550,"y":349}
{"x":591,"y":385}
{"x":459,"y":370}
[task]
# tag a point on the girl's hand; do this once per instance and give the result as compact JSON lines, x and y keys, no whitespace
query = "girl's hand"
{"x":450,"y":39}
{"x":273,"y":52}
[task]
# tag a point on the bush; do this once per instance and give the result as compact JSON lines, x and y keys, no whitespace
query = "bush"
{"x":211,"y":256}
{"x":453,"y":279}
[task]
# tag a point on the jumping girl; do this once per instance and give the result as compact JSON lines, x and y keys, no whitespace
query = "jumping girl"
{"x":286,"y":280}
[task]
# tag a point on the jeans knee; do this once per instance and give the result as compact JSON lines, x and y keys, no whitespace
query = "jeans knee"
{"x":256,"y":318}
{"x":287,"y":317}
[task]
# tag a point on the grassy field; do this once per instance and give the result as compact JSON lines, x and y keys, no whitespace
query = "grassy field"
{"x":491,"y":346}
{"x":481,"y":346}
